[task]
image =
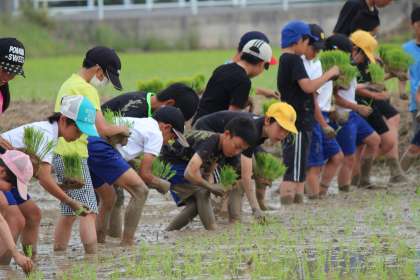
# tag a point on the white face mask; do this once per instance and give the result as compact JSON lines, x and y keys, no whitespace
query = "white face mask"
{"x":98,"y":83}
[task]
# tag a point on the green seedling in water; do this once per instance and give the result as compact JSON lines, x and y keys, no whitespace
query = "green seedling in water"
{"x":27,"y":250}
{"x":267,"y":103}
{"x":228,"y":176}
{"x":342,"y":60}
{"x":162,"y":169}
{"x":36,"y":144}
{"x":268,"y":166}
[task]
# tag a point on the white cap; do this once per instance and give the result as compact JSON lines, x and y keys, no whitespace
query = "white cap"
{"x":259,"y":49}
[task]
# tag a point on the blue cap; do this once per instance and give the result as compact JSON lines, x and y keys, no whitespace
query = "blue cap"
{"x":81,"y":110}
{"x":252,"y":35}
{"x":293,"y":32}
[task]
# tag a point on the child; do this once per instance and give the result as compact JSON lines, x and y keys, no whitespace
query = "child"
{"x":101,"y":65}
{"x":16,"y":170}
{"x":324,"y":154}
{"x":76,"y":116}
{"x":229,"y":86}
{"x":413,"y":48}
{"x":353,"y":131}
{"x":277,"y":123}
{"x":385,"y":118}
{"x":143,"y":104}
{"x":297,"y":89}
{"x":195,"y":164}
{"x":109,"y":166}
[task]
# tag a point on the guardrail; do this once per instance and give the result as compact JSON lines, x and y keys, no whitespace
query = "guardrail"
{"x":100,"y":6}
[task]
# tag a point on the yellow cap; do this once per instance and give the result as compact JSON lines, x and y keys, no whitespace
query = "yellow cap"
{"x":366,"y":42}
{"x":284,"y":114}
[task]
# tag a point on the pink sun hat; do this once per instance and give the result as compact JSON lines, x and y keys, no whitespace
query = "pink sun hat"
{"x":21,"y":166}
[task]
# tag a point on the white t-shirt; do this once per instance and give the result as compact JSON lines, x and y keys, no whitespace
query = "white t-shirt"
{"x":145,"y":137}
{"x":349,"y":95}
{"x":314,"y":70}
{"x":50,"y":130}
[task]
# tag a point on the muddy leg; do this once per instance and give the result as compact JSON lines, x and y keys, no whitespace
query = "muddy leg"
{"x":185,"y":216}
{"x":30,"y":232}
{"x":16,"y":222}
{"x":260,"y":194}
{"x":107,"y":200}
{"x":204,"y":209}
{"x":235,"y":204}
{"x":88,"y":233}
{"x":366,"y":166}
{"x":115,"y":220}
{"x":62,"y":232}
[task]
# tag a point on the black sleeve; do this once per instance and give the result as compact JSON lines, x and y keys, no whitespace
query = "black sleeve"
{"x":207,"y":147}
{"x":347,"y":13}
{"x":239,"y":95}
{"x":249,"y":152}
{"x":298,"y":69}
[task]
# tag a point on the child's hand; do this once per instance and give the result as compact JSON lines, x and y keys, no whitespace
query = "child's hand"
{"x":24,"y":262}
{"x":76,"y":206}
{"x":217,"y":190}
{"x":259,"y":216}
{"x":364,"y":110}
{"x":329,"y":132}
{"x":333,"y":72}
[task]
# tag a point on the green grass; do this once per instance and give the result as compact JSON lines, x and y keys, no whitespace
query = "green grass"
{"x":44,"y":76}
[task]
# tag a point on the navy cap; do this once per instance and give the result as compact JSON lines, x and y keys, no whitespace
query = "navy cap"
{"x":339,"y":42}
{"x":12,"y":56}
{"x":293,"y":32}
{"x":252,"y":35}
{"x":318,"y":32}
{"x":173,"y":116}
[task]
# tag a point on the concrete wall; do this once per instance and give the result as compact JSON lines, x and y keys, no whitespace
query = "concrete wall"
{"x":222,"y":27}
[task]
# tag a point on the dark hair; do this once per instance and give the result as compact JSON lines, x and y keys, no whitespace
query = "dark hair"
{"x":10,"y":177}
{"x":186,"y":99}
{"x":56,"y":116}
{"x":250,"y":58}
{"x":243,"y":128}
{"x":415,"y":15}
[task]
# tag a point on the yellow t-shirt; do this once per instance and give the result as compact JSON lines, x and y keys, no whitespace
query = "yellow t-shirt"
{"x":76,"y":85}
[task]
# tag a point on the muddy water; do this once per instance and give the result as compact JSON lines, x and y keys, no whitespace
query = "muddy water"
{"x":159,"y":210}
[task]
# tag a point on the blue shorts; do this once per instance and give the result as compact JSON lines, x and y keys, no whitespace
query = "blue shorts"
{"x":13,"y":197}
{"x":178,"y":179}
{"x":416,"y":139}
{"x":321,"y":148}
{"x":353,"y":133}
{"x":105,"y":163}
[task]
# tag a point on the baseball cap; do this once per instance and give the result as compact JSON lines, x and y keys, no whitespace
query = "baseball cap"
{"x":415,"y":15}
{"x":173,"y":116}
{"x":339,"y":42}
{"x":108,"y":60}
{"x":318,"y":32}
{"x":259,"y":49}
{"x":12,"y":56}
{"x":293,"y":31}
{"x":21,"y":166}
{"x":284,"y":114}
{"x":255,"y":35}
{"x":81,"y":110}
{"x":365,"y":41}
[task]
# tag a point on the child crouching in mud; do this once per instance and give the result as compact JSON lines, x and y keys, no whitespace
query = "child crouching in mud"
{"x":194,"y":164}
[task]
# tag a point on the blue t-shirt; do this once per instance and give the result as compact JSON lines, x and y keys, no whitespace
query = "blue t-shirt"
{"x":414,"y":50}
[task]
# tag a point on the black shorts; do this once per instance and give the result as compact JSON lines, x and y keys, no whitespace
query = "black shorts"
{"x":416,"y":139}
{"x":295,"y":156}
{"x":377,"y":122}
{"x":385,"y":108}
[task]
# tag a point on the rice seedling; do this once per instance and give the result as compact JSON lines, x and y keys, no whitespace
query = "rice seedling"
{"x":268,"y":166}
{"x":197,"y":83}
{"x":377,"y":73}
{"x":73,"y":174}
{"x":267,"y":103}
{"x":395,"y":58}
{"x":36,"y":144}
{"x":116,"y":118}
{"x":342,"y":60}
{"x":228,"y":176}
{"x":153,"y":85}
{"x":162,"y":169}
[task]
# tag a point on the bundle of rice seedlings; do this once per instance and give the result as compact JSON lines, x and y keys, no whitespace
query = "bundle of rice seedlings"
{"x":153,"y":85}
{"x":342,"y":60}
{"x":73,"y":174}
{"x":162,"y":169}
{"x":268,"y":166}
{"x":116,"y":118}
{"x":228,"y":176}
{"x":36,"y":146}
{"x":199,"y":83}
{"x":267,"y":103}
{"x":395,"y":59}
{"x":377,"y":74}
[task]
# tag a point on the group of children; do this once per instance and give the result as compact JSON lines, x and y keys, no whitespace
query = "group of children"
{"x":324,"y":131}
